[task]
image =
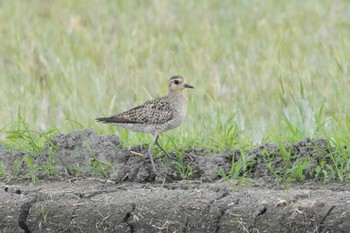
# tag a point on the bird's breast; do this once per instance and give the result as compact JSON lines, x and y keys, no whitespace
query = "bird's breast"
{"x":180,"y":105}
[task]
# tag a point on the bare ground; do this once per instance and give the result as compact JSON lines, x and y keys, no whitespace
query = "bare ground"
{"x":102,"y":187}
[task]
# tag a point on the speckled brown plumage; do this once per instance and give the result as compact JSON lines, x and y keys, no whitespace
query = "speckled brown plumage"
{"x":157,"y":111}
{"x":157,"y":115}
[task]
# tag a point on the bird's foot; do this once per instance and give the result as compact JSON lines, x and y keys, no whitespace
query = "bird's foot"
{"x":173,"y":158}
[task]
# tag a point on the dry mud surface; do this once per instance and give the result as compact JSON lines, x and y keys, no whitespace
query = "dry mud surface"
{"x":126,"y":196}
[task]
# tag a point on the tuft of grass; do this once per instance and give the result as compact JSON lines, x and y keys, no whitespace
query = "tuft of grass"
{"x":239,"y":168}
{"x":297,"y":171}
{"x":186,"y":171}
{"x":3,"y":171}
{"x":42,"y":214}
{"x":23,"y":138}
{"x":99,"y":167}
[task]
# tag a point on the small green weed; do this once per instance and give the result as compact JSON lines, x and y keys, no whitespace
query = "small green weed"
{"x":43,"y":215}
{"x":98,"y":166}
{"x":239,"y":168}
{"x":185,"y":171}
{"x":32,"y":169}
{"x":25,"y":139}
{"x":296,"y":172}
{"x":2,"y":170}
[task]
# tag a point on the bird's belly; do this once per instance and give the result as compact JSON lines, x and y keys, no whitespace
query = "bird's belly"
{"x":142,"y":128}
{"x":153,"y":129}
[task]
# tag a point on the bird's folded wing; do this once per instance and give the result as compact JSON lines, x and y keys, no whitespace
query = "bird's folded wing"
{"x":151,"y":112}
{"x":115,"y":119}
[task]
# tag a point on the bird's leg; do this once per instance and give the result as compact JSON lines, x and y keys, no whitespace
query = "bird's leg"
{"x":169,"y":156}
{"x":150,"y":153}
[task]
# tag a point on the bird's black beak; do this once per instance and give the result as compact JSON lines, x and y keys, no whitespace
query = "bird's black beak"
{"x":187,"y":86}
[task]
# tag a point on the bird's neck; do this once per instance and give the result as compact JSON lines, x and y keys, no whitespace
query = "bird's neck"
{"x":180,"y":94}
{"x":179,"y":97}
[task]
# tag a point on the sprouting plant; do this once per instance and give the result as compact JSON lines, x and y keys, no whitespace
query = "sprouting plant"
{"x":239,"y":168}
{"x":229,"y":131}
{"x":285,"y":155}
{"x":222,"y":174}
{"x":324,"y":171}
{"x":231,"y":134}
{"x":100,"y":167}
{"x":17,"y":166}
{"x":73,"y":170}
{"x":32,"y":168}
{"x":2,"y":169}
{"x":236,"y":168}
{"x":26,"y":138}
{"x":296,"y":172}
{"x":42,"y":215}
{"x":185,"y":171}
{"x":48,"y":168}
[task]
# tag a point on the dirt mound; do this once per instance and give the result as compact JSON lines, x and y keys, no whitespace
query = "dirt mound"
{"x":89,"y":183}
{"x":84,"y":153}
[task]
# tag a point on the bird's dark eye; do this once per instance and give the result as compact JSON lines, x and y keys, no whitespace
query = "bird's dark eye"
{"x":176,"y":82}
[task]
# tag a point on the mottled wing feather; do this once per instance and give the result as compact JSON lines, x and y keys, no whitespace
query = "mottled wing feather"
{"x":114,"y":119}
{"x":157,"y":111}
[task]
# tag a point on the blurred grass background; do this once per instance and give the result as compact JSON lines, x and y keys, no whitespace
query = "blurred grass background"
{"x":263,"y":70}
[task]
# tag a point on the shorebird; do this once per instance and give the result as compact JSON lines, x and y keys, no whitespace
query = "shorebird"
{"x":155,"y":116}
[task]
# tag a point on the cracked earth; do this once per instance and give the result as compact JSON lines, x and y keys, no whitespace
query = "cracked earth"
{"x":128,"y":197}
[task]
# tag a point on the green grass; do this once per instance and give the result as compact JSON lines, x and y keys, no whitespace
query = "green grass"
{"x":262,"y":70}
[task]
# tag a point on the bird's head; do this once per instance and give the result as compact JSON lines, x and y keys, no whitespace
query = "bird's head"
{"x":177,"y":84}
